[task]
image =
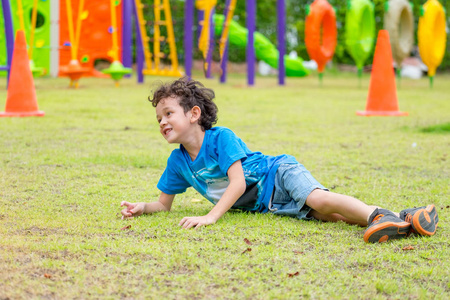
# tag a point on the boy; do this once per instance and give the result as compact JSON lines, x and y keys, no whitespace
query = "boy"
{"x":219,"y":166}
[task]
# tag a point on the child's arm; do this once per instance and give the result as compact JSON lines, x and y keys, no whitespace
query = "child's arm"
{"x":136,"y":209}
{"x":234,"y":190}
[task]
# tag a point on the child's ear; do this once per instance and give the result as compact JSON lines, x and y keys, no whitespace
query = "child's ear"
{"x":196,"y":112}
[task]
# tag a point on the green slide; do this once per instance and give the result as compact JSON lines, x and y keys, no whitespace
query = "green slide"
{"x":41,"y":50}
{"x":265,"y":50}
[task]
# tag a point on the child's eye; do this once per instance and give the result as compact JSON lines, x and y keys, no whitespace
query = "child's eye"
{"x":168,"y":113}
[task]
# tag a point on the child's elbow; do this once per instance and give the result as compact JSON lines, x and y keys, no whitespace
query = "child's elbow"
{"x":242,"y":186}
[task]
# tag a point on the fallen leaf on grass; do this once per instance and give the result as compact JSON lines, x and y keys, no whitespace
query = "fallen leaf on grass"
{"x":47,"y":275}
{"x":247,"y":250}
{"x":298,"y":252}
{"x":408,"y":248}
{"x":430,"y":258}
{"x":293,"y":274}
{"x":247,"y":241}
{"x":126,"y":227}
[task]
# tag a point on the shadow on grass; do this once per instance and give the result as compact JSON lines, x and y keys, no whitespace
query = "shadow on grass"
{"x":439,"y":128}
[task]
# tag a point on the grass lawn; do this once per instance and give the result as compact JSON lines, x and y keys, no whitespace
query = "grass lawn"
{"x":63,"y":176}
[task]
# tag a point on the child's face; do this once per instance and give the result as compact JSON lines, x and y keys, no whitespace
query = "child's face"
{"x":174,"y":124}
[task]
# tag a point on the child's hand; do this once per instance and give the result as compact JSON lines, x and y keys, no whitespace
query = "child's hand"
{"x":189,"y":222}
{"x":132,"y":209}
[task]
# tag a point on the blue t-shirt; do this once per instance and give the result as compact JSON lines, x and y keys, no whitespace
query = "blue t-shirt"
{"x":208,"y":172}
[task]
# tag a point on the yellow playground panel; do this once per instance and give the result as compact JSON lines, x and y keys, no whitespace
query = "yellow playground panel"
{"x":154,"y":67}
{"x":432,"y":35}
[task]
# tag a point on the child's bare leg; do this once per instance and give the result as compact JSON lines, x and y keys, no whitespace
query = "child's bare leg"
{"x":334,"y":218}
{"x":329,"y":206}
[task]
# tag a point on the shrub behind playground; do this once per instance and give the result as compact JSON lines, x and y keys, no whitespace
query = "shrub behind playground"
{"x":63,"y":176}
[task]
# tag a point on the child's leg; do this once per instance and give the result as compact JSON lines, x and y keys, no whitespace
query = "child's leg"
{"x":329,"y":206}
{"x":384,"y":225}
{"x":298,"y":184}
{"x":334,"y":218}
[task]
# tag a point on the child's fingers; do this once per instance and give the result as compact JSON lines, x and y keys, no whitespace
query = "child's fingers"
{"x":125,"y":203}
{"x":126,"y":213}
{"x":134,"y":210}
{"x":182,"y":221}
{"x":186,"y":221}
{"x":189,"y":225}
{"x":189,"y":222}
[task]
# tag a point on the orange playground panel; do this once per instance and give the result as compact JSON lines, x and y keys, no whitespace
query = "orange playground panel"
{"x":95,"y":34}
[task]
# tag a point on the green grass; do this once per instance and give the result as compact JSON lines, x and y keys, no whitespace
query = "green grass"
{"x":439,"y":128}
{"x":63,"y":176}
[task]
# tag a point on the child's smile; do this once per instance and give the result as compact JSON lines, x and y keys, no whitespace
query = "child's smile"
{"x":166,"y":131}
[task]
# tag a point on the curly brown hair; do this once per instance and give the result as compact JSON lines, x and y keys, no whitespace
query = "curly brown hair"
{"x":190,"y":93}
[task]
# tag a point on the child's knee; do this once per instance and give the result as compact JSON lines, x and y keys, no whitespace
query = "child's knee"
{"x":321,"y":201}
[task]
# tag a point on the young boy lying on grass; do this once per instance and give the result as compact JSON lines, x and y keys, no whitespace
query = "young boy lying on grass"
{"x":219,"y":166}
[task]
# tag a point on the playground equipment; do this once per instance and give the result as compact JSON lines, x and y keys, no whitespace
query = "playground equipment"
{"x":116,"y":69}
{"x":223,"y":42}
{"x":320,"y":33}
{"x":74,"y":70}
{"x":382,"y":98}
{"x":250,"y":47}
{"x":21,"y":96}
{"x":96,"y":43}
{"x":32,"y":16}
{"x":399,"y":22}
{"x":94,"y":16}
{"x":204,"y":40}
{"x":432,"y":36}
{"x":154,"y":68}
{"x":20,"y":12}
{"x":359,"y":31}
{"x":9,"y":45}
{"x":34,"y":70}
{"x":253,"y":42}
{"x":264,"y":49}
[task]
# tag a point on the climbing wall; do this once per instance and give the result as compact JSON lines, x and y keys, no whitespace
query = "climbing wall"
{"x":95,"y":36}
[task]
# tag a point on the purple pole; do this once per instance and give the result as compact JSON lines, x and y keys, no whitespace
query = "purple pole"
{"x":9,"y":32}
{"x":251,"y":23}
{"x":223,"y":63}
{"x":281,"y":30}
{"x":127,"y":35}
{"x":188,"y":40}
{"x":139,"y":48}
{"x":200,"y":16}
{"x":211,"y":45}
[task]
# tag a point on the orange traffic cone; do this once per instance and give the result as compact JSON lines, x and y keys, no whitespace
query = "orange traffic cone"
{"x":382,"y":99}
{"x":21,"y":96}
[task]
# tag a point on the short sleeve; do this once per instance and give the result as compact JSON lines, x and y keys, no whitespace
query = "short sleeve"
{"x":230,"y":149}
{"x":172,"y":180}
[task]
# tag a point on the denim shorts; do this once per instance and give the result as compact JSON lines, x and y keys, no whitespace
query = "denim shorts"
{"x":293,"y":184}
